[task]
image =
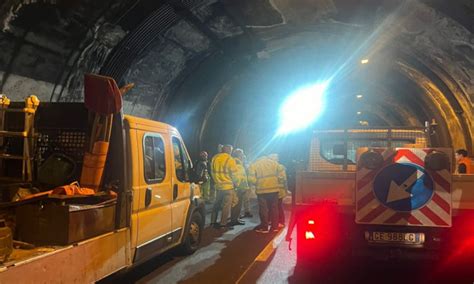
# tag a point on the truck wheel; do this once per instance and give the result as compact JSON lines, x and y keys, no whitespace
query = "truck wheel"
{"x":192,"y":238}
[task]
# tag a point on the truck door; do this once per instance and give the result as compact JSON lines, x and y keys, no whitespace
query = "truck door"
{"x":155,"y":194}
{"x":181,"y":187}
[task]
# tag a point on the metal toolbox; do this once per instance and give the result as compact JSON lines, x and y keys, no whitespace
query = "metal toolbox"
{"x":58,"y":223}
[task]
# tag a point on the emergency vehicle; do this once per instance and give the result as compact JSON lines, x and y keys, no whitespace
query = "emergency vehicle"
{"x":380,"y":193}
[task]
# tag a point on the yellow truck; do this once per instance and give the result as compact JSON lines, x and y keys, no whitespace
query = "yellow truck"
{"x":157,"y":207}
{"x":380,"y":193}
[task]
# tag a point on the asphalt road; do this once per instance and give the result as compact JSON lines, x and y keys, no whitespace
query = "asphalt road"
{"x":243,"y":256}
{"x":224,"y":257}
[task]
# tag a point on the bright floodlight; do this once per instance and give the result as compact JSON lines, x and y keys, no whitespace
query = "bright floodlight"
{"x":301,"y":108}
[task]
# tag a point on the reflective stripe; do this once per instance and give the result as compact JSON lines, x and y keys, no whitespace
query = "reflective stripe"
{"x":273,"y":187}
{"x":268,"y":176}
{"x":225,"y":167}
{"x":226,"y":170}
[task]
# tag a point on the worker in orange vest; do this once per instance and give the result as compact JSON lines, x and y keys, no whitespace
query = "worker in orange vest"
{"x":464,"y":163}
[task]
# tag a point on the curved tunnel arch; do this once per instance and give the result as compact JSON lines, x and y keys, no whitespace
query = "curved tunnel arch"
{"x":188,"y":59}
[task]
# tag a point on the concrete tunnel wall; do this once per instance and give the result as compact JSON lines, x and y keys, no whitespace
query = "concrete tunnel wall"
{"x":217,"y":69}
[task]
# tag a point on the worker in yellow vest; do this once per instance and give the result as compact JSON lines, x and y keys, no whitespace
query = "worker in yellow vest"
{"x":247,"y":194}
{"x":224,"y":174}
{"x":242,"y":187}
{"x":282,"y":193}
{"x":213,"y":191}
{"x":266,"y":175}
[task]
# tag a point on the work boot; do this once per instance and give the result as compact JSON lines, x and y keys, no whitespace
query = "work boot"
{"x":219,"y":226}
{"x":237,"y":223}
{"x":246,"y":215}
{"x":261,"y":230}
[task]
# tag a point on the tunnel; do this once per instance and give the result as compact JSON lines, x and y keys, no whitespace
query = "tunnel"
{"x":219,"y":70}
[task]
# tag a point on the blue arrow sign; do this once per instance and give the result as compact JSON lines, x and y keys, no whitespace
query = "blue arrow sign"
{"x":403,"y":187}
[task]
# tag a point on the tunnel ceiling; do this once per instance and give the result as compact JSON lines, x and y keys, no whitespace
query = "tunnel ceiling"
{"x":219,"y":69}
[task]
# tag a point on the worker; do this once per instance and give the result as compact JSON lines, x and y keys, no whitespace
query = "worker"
{"x":283,"y":189}
{"x":265,"y":174}
{"x":464,"y":163}
{"x":213,"y":190}
{"x":246,"y":194}
{"x":202,"y":175}
{"x":224,"y":174}
{"x":242,"y":186}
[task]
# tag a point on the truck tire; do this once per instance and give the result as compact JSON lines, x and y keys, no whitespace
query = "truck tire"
{"x":193,"y":234}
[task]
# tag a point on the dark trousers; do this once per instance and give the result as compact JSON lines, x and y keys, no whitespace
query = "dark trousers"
{"x":224,"y":202}
{"x":281,"y":212}
{"x":268,"y":208}
{"x":212,"y":191}
{"x":234,"y":216}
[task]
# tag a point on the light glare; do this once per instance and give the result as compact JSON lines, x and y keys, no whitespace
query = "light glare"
{"x":364,"y":61}
{"x":302,"y":108}
{"x":359,"y":96}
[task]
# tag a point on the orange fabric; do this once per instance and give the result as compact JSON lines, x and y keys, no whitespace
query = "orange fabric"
{"x":93,"y":165}
{"x":73,"y":189}
{"x":467,"y":162}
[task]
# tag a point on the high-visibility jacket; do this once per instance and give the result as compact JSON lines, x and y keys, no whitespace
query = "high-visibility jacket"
{"x":241,"y":176}
{"x":224,"y":171}
{"x":283,"y":183}
{"x":266,"y":175}
{"x":467,"y":162}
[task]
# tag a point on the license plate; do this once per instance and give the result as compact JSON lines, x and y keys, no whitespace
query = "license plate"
{"x":395,"y":237}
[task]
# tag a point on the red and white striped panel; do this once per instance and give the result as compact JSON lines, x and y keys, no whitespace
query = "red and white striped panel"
{"x":435,"y":213}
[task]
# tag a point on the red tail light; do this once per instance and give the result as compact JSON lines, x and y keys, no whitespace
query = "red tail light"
{"x":309,"y":235}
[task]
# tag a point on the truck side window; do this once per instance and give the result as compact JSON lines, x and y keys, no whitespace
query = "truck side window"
{"x":154,"y":158}
{"x":181,"y":161}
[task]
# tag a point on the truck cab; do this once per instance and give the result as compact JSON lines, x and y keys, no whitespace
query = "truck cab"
{"x":163,"y":196}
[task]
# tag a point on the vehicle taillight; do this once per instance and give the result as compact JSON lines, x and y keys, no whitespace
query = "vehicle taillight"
{"x":309,"y":235}
{"x":319,"y":223}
